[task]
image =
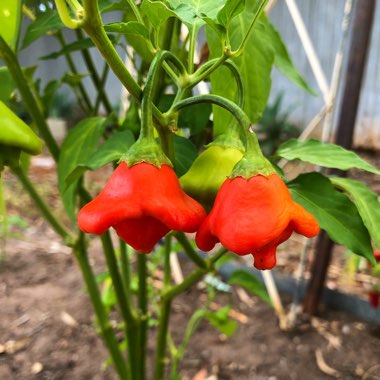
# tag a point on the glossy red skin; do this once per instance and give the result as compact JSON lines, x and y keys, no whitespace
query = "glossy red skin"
{"x":374,"y":299}
{"x":253,"y":216}
{"x":142,"y":203}
{"x":377,"y":256}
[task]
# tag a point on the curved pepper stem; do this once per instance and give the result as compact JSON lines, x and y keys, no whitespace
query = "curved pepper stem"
{"x":253,"y":162}
{"x":65,"y":16}
{"x":146,"y":149}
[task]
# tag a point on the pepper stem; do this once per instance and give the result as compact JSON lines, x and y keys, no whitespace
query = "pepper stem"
{"x":146,"y":149}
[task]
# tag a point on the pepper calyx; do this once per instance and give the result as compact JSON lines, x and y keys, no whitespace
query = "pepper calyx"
{"x":146,"y":150}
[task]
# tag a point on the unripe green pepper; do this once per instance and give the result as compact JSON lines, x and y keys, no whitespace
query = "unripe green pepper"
{"x":10,"y":16}
{"x":209,"y":170}
{"x":15,"y":133}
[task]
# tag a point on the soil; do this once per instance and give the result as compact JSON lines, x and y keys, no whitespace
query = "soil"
{"x":47,"y":328}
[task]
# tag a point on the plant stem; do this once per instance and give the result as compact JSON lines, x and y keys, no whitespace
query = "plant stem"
{"x":98,"y":82}
{"x":65,"y":16}
{"x":71,"y":64}
{"x":230,"y":106}
{"x":136,"y":11}
{"x":28,"y":97}
{"x":161,"y":360}
{"x":101,"y":314}
{"x":94,"y":27}
{"x":205,"y":70}
{"x":102,"y":84}
{"x":125,"y":270}
{"x":189,"y":250}
{"x":194,"y":276}
{"x":45,"y":210}
{"x":128,"y":314}
{"x":192,"y":43}
{"x":257,"y":14}
{"x":167,"y":267}
{"x":189,"y":331}
{"x":143,"y":306}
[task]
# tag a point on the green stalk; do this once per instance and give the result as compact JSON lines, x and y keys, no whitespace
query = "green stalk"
{"x":189,"y":250}
{"x":71,"y":64}
{"x":256,"y":16}
{"x":193,"y":277}
{"x":167,"y":297}
{"x":98,"y":82}
{"x":94,"y":27}
{"x":230,"y":106}
{"x":136,"y":11}
{"x":45,"y":210}
{"x":190,"y":329}
{"x":205,"y":70}
{"x":167,"y":267}
{"x":102,"y":84}
{"x":143,"y":306}
{"x":193,"y":39}
{"x":126,"y":310}
{"x":161,"y":359}
{"x":165,"y":310}
{"x":101,"y":314}
{"x":31,"y":104}
{"x":125,"y":270}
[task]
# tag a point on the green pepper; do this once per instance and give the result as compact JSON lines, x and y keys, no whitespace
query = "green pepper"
{"x":209,"y":170}
{"x":10,"y":17}
{"x":15,"y":133}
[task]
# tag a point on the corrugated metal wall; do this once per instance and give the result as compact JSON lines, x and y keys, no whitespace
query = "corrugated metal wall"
{"x":323,"y":20}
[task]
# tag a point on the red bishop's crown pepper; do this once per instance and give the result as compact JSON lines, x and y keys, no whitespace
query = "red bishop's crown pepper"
{"x":253,"y":213}
{"x":142,"y":201}
{"x":209,"y":170}
{"x":374,"y":298}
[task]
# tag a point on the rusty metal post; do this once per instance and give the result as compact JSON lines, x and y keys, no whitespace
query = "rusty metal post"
{"x":360,"y":36}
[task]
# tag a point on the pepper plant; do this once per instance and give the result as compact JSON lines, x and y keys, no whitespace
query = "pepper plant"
{"x":183,"y":180}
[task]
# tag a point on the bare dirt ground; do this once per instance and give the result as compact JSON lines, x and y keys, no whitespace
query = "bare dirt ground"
{"x":47,"y":328}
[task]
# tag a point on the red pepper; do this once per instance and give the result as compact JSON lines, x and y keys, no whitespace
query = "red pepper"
{"x":253,"y":216}
{"x":142,"y":203}
{"x":374,"y":298}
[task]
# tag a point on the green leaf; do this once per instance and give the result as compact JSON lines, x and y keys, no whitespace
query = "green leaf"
{"x":195,"y":118}
{"x":221,"y":321}
{"x":79,"y":145}
{"x":230,"y":10}
{"x":78,"y":45}
{"x":73,"y":79}
{"x":46,"y":22}
{"x":131,"y":27}
{"x":7,"y":84}
{"x":366,"y":201}
{"x":110,"y":151}
{"x":249,"y":282}
{"x":49,"y":93}
{"x":136,"y":34}
{"x":334,"y":211}
{"x":156,"y":11}
{"x":185,"y":153}
{"x":255,"y":66}
{"x":110,"y":5}
{"x":283,"y":61}
{"x":327,"y":155}
{"x":192,"y":12}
